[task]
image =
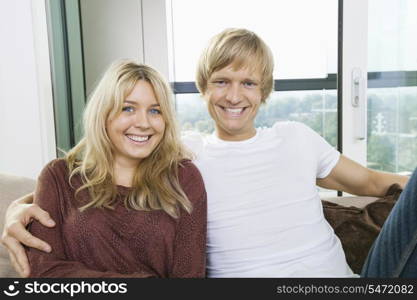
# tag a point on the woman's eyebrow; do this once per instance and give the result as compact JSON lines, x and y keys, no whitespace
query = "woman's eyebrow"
{"x":136,"y":103}
{"x":130,"y":102}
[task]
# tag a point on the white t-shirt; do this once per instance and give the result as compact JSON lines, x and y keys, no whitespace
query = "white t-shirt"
{"x":265,"y":217}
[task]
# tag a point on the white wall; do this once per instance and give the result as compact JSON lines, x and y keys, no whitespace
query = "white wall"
{"x":111,"y":30}
{"x":26,"y":144}
{"x":157,"y":38}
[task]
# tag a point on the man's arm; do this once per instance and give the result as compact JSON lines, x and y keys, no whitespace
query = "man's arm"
{"x":349,"y":176}
{"x":18,"y":215}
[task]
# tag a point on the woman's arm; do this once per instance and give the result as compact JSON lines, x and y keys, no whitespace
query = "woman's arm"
{"x":190,"y":239}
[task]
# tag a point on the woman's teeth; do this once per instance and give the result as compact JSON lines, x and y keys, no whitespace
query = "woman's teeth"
{"x":137,"y":138}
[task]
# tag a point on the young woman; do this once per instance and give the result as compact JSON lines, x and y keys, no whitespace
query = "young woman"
{"x":126,"y":200}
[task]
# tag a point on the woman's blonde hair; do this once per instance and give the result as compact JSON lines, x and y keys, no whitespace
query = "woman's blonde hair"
{"x":239,"y":48}
{"x":155,"y":184}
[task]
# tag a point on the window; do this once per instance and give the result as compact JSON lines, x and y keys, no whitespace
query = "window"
{"x":304,"y":45}
{"x":392,"y":85}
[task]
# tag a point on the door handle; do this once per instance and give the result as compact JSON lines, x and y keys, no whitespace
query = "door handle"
{"x":359,"y":104}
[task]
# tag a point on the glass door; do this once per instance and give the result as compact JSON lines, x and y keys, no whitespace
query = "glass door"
{"x":380,"y":108}
{"x":392,"y":85}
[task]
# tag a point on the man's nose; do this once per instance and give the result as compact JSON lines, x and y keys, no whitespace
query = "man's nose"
{"x":233,"y":94}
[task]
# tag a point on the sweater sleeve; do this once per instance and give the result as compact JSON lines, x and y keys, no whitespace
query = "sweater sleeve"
{"x":190,"y":240}
{"x":56,"y":264}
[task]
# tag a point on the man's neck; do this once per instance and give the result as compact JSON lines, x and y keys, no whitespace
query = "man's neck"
{"x":225,"y":136}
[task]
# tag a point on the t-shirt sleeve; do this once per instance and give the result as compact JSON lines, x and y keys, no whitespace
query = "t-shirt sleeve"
{"x":325,"y":154}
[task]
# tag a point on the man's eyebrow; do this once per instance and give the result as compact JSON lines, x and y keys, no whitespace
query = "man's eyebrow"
{"x":251,"y":79}
{"x":220,"y":77}
{"x":224,"y":77}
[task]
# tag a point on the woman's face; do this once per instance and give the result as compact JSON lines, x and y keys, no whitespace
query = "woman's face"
{"x":139,"y":128}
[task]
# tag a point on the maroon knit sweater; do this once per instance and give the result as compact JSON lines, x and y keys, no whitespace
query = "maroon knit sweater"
{"x":119,"y":242}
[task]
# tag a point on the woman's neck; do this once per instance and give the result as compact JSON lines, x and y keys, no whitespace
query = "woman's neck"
{"x":123,"y":174}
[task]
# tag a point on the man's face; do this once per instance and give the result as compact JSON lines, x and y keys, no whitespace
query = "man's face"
{"x":233,"y":99}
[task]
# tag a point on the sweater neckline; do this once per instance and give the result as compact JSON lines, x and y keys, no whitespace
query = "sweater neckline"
{"x":123,"y":190}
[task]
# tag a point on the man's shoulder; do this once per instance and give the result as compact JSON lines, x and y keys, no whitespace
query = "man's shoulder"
{"x":194,"y":141}
{"x":287,"y":128}
{"x":288,"y":125}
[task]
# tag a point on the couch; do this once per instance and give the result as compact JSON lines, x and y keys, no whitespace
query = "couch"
{"x":356,"y":220}
{"x":11,"y":187}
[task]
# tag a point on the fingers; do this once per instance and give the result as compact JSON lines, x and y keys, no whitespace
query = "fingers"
{"x":27,"y":198}
{"x":15,"y":264}
{"x":42,"y":216}
{"x":17,"y":256}
{"x":18,"y":216}
{"x":18,"y":232}
{"x":21,"y":258}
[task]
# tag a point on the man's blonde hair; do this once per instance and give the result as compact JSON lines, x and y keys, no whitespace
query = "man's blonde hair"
{"x":155,"y":183}
{"x":239,"y":48}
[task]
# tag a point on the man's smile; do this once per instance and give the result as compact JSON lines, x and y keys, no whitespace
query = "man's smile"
{"x":233,"y":111}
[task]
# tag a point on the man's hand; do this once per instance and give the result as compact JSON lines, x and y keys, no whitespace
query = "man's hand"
{"x":18,"y":215}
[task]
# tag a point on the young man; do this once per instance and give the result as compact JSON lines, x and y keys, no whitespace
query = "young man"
{"x":264,"y":213}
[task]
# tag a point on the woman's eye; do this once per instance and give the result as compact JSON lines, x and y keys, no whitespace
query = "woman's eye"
{"x":154,"y":111}
{"x":128,"y":109}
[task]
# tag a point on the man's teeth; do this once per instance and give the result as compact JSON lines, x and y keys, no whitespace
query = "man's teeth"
{"x":234,"y":110}
{"x":138,"y":138}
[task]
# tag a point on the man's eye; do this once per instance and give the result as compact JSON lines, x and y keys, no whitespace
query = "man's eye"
{"x":220,"y":82}
{"x":128,"y":109}
{"x":250,"y":84}
{"x":154,"y":111}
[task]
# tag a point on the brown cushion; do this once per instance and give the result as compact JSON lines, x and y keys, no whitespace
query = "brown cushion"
{"x":357,"y":228}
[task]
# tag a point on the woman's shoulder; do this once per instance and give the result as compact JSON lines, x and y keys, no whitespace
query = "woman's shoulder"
{"x":52,"y":182}
{"x":189,"y":176}
{"x":187,"y":169}
{"x":56,"y":169}
{"x":57,"y":165}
